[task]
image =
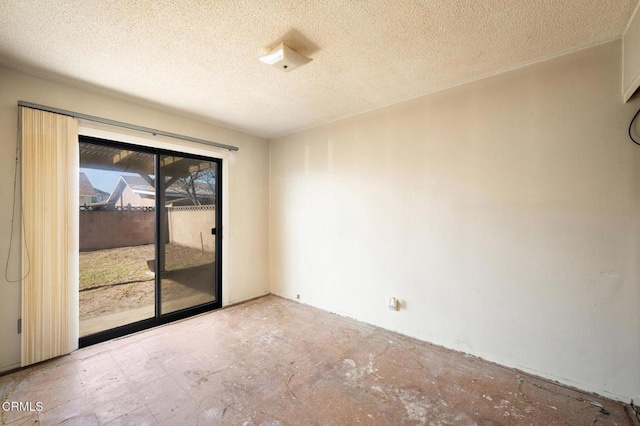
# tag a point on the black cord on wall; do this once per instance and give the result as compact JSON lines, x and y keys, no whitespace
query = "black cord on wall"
{"x":13,"y":216}
{"x":631,"y":127}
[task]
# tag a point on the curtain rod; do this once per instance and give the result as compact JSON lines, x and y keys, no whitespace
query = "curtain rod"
{"x":124,"y":125}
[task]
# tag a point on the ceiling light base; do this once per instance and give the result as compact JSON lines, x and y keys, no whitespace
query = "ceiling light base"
{"x":285,"y":58}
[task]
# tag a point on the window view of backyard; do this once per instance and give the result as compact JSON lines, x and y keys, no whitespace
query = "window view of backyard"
{"x":119,"y":245}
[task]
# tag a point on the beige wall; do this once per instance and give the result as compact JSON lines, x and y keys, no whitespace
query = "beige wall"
{"x":246,"y":234}
{"x":503,"y":213}
{"x":191,"y":227}
{"x":631,"y":56}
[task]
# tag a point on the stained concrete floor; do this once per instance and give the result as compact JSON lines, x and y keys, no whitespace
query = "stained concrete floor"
{"x":273,"y":362}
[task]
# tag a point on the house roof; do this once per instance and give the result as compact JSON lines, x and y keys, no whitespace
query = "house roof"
{"x":138,"y":184}
{"x":86,"y":188}
{"x":366,"y":54}
{"x":101,"y":192}
{"x":142,"y":187}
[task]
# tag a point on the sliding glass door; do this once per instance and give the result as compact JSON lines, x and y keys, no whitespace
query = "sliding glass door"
{"x":148,"y":237}
{"x":188,"y":250}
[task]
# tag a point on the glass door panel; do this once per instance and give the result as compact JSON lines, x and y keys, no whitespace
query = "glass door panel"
{"x":188,"y":222}
{"x":117,"y":237}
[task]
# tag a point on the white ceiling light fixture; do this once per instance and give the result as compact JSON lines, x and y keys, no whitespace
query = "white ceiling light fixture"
{"x":285,"y":58}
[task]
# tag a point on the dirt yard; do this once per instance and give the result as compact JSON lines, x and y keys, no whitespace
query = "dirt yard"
{"x":120,"y":279}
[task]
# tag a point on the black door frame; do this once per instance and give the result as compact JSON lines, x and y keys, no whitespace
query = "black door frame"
{"x":160,"y":318}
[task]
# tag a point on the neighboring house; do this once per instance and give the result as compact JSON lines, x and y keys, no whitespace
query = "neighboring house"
{"x":87,"y":192}
{"x":132,"y":191}
{"x":135,"y":191}
{"x":100,"y":196}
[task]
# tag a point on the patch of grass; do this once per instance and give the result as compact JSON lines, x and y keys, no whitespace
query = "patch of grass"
{"x":114,"y":266}
{"x":126,"y":264}
{"x":180,"y":257}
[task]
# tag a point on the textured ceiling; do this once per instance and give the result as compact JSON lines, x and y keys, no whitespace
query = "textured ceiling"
{"x":201,"y":58}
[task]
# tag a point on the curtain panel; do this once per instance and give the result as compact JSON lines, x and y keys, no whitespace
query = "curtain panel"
{"x":50,"y":204}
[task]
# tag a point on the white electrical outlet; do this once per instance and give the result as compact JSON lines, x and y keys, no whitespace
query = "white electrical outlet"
{"x":393,"y":304}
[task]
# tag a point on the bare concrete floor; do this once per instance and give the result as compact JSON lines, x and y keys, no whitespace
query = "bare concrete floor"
{"x":273,"y":361}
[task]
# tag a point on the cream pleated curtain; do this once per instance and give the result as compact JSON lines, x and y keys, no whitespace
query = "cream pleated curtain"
{"x":50,"y":241}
